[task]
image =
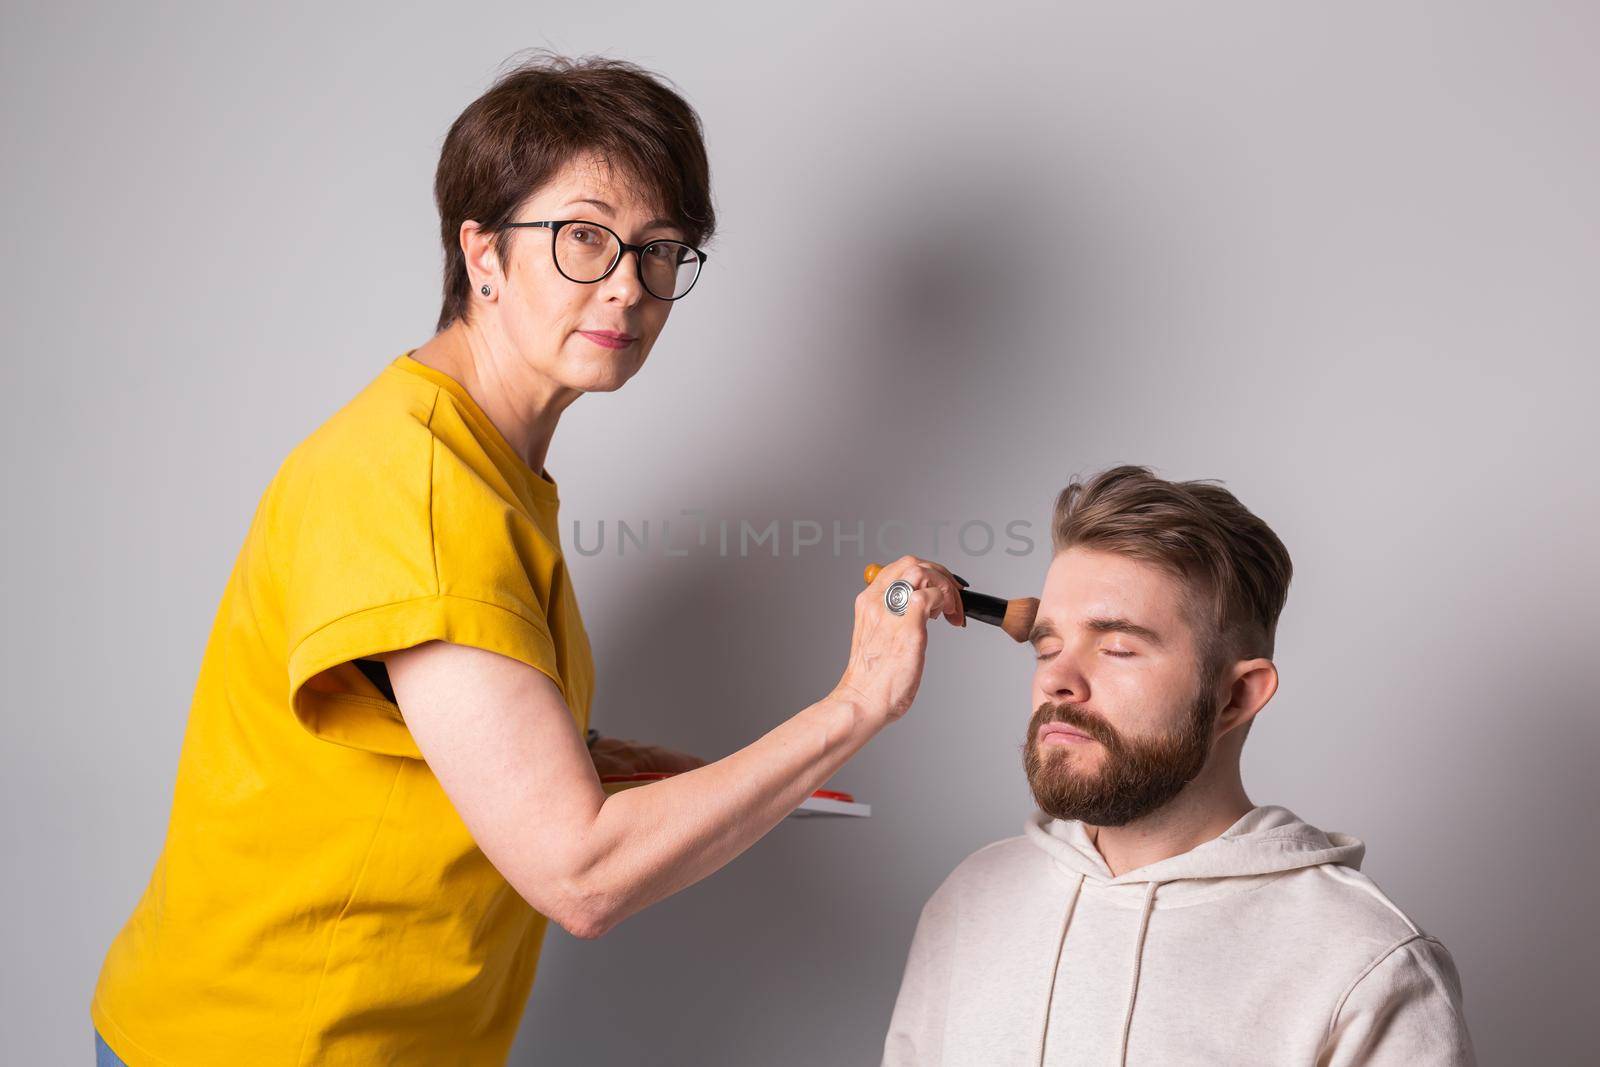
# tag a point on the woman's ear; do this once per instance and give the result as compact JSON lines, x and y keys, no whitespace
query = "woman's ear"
{"x":483,"y":265}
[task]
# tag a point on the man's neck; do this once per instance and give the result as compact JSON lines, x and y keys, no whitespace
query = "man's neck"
{"x":1191,"y":819}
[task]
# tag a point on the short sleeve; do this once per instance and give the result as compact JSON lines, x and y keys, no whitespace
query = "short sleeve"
{"x":386,"y":542}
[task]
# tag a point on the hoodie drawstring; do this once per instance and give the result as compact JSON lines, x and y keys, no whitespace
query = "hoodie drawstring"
{"x":1055,"y":968}
{"x":1138,"y":956}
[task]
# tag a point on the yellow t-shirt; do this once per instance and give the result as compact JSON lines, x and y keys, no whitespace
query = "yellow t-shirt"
{"x":318,"y":900}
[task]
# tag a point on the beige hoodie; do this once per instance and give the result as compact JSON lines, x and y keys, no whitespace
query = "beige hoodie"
{"x":1263,"y":946}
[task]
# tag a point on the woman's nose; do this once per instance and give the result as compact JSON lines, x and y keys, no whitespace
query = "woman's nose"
{"x":623,"y":282}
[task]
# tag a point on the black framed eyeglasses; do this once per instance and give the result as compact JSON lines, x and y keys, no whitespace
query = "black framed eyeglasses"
{"x":587,"y":252}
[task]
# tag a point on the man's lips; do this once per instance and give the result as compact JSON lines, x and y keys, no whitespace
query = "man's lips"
{"x":1059,"y":733}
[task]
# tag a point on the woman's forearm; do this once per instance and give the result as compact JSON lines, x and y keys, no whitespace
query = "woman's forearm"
{"x":648,"y":842}
{"x":497,"y":734}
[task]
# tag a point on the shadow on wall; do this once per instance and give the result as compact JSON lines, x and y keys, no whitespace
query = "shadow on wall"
{"x":1513,"y":893}
{"x":917,"y":289}
{"x":931,"y":295}
{"x":815,"y":918}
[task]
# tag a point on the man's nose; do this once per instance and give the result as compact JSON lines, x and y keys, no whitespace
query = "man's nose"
{"x":1061,"y":679}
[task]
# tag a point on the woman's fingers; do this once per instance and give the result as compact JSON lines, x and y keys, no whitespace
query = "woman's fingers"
{"x":887,"y":650}
{"x":954,"y":611}
{"x":926,"y":574}
{"x":926,"y":603}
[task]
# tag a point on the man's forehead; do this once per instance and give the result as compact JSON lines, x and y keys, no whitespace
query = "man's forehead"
{"x":1093,"y":583}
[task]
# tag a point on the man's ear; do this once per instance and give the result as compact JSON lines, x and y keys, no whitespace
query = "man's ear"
{"x":1251,"y":683}
{"x":477,"y":248}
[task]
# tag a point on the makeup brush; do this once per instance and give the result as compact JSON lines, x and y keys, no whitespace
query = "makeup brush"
{"x":1015,"y":617}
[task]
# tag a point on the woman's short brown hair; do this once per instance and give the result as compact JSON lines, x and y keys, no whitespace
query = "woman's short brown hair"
{"x":546,"y":111}
{"x":1235,"y":568}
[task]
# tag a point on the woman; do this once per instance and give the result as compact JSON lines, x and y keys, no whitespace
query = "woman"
{"x":384,"y":789}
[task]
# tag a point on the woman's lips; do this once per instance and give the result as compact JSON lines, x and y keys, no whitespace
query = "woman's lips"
{"x":1059,"y":733}
{"x":607,"y":339}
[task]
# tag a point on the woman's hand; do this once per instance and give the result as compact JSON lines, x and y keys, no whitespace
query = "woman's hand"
{"x":887,"y":650}
{"x":613,"y":755}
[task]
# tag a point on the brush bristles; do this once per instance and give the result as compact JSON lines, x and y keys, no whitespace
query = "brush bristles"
{"x":1020,"y":614}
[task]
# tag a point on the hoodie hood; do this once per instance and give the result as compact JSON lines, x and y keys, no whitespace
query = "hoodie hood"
{"x":1264,"y":843}
{"x":1264,"y":945}
{"x":1265,"y":840}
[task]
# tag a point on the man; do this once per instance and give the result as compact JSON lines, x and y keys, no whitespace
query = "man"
{"x":1153,"y":914}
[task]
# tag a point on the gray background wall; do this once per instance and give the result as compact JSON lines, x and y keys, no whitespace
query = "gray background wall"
{"x":1342,"y":256}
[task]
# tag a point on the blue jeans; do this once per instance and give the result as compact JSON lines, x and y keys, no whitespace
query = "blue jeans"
{"x":103,"y":1056}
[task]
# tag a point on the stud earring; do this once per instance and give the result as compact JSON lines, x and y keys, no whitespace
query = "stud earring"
{"x":484,"y":290}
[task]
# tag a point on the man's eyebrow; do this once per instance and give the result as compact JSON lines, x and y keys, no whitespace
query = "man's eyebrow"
{"x":608,"y":209}
{"x":1044,"y":628}
{"x":1126,"y":626}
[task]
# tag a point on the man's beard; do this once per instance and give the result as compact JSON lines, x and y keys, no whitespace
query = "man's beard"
{"x":1135,"y":777}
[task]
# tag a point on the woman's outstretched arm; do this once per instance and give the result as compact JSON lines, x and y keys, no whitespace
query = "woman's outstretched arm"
{"x":500,"y":739}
